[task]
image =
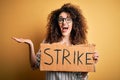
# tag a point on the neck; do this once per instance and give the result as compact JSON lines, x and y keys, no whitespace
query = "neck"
{"x":66,"y":40}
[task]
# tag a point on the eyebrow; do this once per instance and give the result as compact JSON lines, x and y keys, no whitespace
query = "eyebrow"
{"x":66,"y":17}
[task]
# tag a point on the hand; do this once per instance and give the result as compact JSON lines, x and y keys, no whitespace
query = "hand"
{"x":21,"y":40}
{"x":95,"y":57}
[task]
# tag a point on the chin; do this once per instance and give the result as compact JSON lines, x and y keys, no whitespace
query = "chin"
{"x":65,"y":34}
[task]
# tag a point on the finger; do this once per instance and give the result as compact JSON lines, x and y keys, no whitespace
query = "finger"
{"x":17,"y":39}
{"x":13,"y":38}
{"x":95,"y":58}
{"x":95,"y":54}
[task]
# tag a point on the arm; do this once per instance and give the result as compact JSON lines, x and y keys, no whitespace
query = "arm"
{"x":32,"y":55}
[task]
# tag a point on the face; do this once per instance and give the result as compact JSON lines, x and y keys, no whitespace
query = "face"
{"x":65,"y":23}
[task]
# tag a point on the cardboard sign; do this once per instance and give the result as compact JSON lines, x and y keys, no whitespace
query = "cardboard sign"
{"x":57,"y":57}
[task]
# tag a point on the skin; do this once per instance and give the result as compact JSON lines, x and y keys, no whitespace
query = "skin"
{"x":65,"y":40}
{"x":31,"y":47}
{"x":65,"y":33}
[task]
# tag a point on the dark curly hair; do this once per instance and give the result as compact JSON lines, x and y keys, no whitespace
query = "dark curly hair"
{"x":79,"y":27}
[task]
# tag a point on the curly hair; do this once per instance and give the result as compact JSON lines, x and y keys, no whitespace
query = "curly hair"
{"x":79,"y":27}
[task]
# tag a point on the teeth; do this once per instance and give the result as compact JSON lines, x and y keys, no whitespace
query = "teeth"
{"x":65,"y":27}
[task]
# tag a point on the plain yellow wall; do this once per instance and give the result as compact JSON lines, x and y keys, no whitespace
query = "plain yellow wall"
{"x":27,"y":19}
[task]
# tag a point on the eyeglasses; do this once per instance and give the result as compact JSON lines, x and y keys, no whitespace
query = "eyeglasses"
{"x":61,"y":20}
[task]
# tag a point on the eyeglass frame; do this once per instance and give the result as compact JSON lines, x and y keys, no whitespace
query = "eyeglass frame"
{"x":68,"y":20}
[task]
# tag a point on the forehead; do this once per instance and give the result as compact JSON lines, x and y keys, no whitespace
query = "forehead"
{"x":64,"y":14}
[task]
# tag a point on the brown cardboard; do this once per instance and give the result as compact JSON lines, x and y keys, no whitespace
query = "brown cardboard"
{"x":57,"y":57}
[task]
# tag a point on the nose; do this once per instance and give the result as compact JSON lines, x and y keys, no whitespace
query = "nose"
{"x":64,"y":21}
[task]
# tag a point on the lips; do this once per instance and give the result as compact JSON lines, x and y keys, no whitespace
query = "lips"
{"x":64,"y":29}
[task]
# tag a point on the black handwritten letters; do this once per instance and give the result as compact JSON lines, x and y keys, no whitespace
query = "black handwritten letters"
{"x":76,"y":57}
{"x":57,"y":57}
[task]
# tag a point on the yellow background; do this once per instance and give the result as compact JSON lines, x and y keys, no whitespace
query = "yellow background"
{"x":27,"y":19}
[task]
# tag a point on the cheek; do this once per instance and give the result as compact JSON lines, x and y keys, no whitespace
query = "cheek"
{"x":70,"y":29}
{"x":60,"y":25}
{"x":70,"y":26}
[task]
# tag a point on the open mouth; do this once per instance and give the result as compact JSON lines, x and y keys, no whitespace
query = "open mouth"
{"x":64,"y":29}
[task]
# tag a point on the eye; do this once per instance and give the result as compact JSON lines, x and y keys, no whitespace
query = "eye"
{"x":68,"y":19}
{"x":60,"y":19}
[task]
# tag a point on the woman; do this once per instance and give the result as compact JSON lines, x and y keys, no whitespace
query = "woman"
{"x":65,"y":26}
